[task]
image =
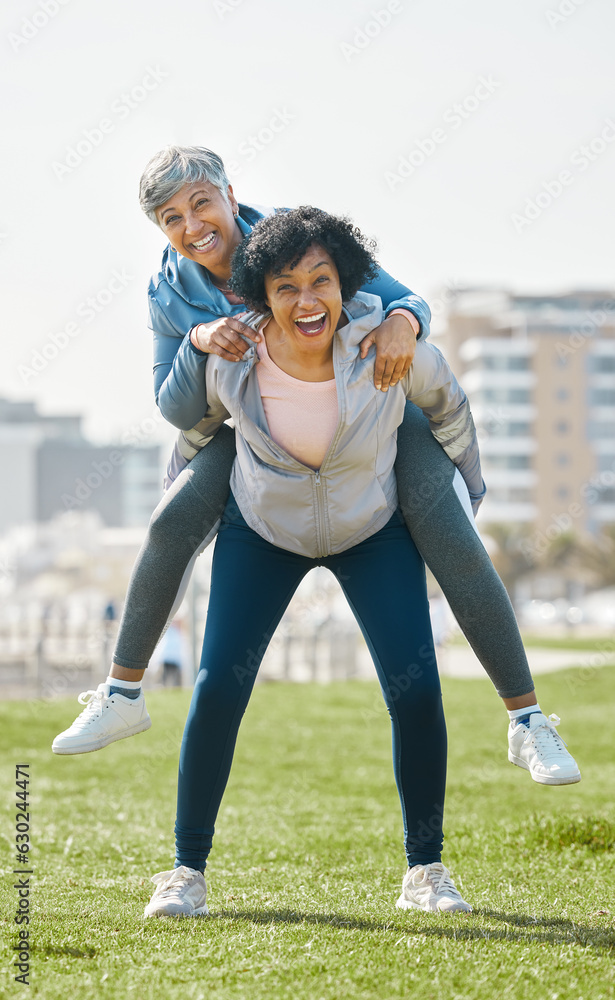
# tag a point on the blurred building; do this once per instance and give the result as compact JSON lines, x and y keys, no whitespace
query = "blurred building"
{"x":50,"y":468}
{"x":540,"y":374}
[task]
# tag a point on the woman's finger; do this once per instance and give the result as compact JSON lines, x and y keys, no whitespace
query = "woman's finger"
{"x":236,"y":325}
{"x":231,"y":347}
{"x":398,"y":373}
{"x":222,"y":353}
{"x":383,"y":370}
{"x":366,"y":343}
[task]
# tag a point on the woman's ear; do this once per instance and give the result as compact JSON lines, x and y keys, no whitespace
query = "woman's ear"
{"x":232,"y":200}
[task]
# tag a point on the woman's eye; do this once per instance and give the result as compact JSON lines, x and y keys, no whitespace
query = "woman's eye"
{"x":171,"y":220}
{"x":321,"y":278}
{"x":202,"y":201}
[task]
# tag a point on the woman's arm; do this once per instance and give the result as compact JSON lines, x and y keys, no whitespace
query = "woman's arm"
{"x":179,"y":364}
{"x":396,"y":337}
{"x":189,"y":442}
{"x":394,"y":295}
{"x":179,"y":371}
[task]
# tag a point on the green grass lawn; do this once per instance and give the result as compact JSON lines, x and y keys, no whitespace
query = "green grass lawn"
{"x":307,"y":860}
{"x":600,"y":644}
{"x":603,"y":644}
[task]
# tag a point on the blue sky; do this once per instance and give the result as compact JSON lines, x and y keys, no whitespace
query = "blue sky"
{"x":475,"y":140}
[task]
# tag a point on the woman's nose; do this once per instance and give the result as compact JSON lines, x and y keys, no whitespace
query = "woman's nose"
{"x":193,"y":223}
{"x":306,"y":297}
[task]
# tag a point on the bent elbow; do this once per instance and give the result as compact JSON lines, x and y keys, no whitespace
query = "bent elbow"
{"x":182,"y":416}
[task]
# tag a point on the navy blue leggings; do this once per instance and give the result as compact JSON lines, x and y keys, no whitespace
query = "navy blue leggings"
{"x":252,"y":583}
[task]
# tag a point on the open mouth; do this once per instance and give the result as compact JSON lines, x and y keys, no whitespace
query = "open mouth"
{"x":203,"y":245}
{"x":311,"y":325}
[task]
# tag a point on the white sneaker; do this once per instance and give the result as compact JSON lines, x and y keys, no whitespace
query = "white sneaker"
{"x":105,"y":719}
{"x":431,"y":888}
{"x":181,"y":893}
{"x":539,"y":749}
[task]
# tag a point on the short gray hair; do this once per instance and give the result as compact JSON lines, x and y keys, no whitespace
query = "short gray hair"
{"x":171,"y":168}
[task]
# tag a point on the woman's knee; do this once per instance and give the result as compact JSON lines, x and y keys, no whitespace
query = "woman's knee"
{"x":210,"y":470}
{"x":414,"y":691}
{"x":171,"y":526}
{"x":453,"y":533}
{"x":181,"y":519}
{"x":421,"y":711}
{"x":444,"y":535}
{"x":217,"y":695}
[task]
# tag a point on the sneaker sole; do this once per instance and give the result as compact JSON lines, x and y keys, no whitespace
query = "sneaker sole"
{"x":201,"y":911}
{"x":543,"y":779}
{"x":406,"y":904}
{"x":99,"y":744}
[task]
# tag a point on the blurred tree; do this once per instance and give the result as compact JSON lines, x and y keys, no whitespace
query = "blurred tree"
{"x":597,"y":556}
{"x":512,"y":554}
{"x":578,"y":559}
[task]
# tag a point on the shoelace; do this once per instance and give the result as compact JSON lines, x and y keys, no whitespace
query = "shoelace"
{"x":439,"y":878}
{"x":93,"y":703}
{"x":173,"y":884}
{"x":545,"y":735}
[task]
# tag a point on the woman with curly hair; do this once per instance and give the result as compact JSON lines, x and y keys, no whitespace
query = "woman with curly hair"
{"x":314,"y":485}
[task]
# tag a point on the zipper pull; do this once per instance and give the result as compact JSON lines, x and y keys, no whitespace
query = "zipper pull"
{"x":318,"y":478}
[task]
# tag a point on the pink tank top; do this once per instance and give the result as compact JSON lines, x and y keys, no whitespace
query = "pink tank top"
{"x":302,"y":416}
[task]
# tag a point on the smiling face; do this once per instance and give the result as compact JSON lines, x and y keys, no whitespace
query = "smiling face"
{"x":306,"y":301}
{"x":199,"y":222}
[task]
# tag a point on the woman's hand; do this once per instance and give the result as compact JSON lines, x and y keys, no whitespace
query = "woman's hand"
{"x":395,"y":341}
{"x":223,"y":337}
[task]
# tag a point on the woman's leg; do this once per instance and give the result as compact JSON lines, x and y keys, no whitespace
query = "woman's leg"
{"x":188,"y":514}
{"x":451,"y":548}
{"x":457,"y":558}
{"x":384,"y":581}
{"x":183,"y":518}
{"x":252,"y":584}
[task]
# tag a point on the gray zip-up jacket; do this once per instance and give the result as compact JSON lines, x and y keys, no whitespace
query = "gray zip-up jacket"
{"x":354,"y":493}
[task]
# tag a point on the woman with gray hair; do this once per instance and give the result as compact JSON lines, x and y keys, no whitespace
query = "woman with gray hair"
{"x":194,"y":313}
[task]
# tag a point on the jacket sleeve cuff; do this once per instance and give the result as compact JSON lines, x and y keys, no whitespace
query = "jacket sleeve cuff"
{"x":195,"y":350}
{"x":419,"y":309}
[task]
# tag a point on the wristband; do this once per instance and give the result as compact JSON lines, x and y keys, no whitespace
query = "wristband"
{"x":193,"y":339}
{"x":413,"y":321}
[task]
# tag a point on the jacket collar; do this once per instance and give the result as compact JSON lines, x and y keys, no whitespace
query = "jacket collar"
{"x":191,"y":281}
{"x":364,"y":313}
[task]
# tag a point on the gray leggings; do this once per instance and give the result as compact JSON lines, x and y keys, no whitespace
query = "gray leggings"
{"x":435,"y":517}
